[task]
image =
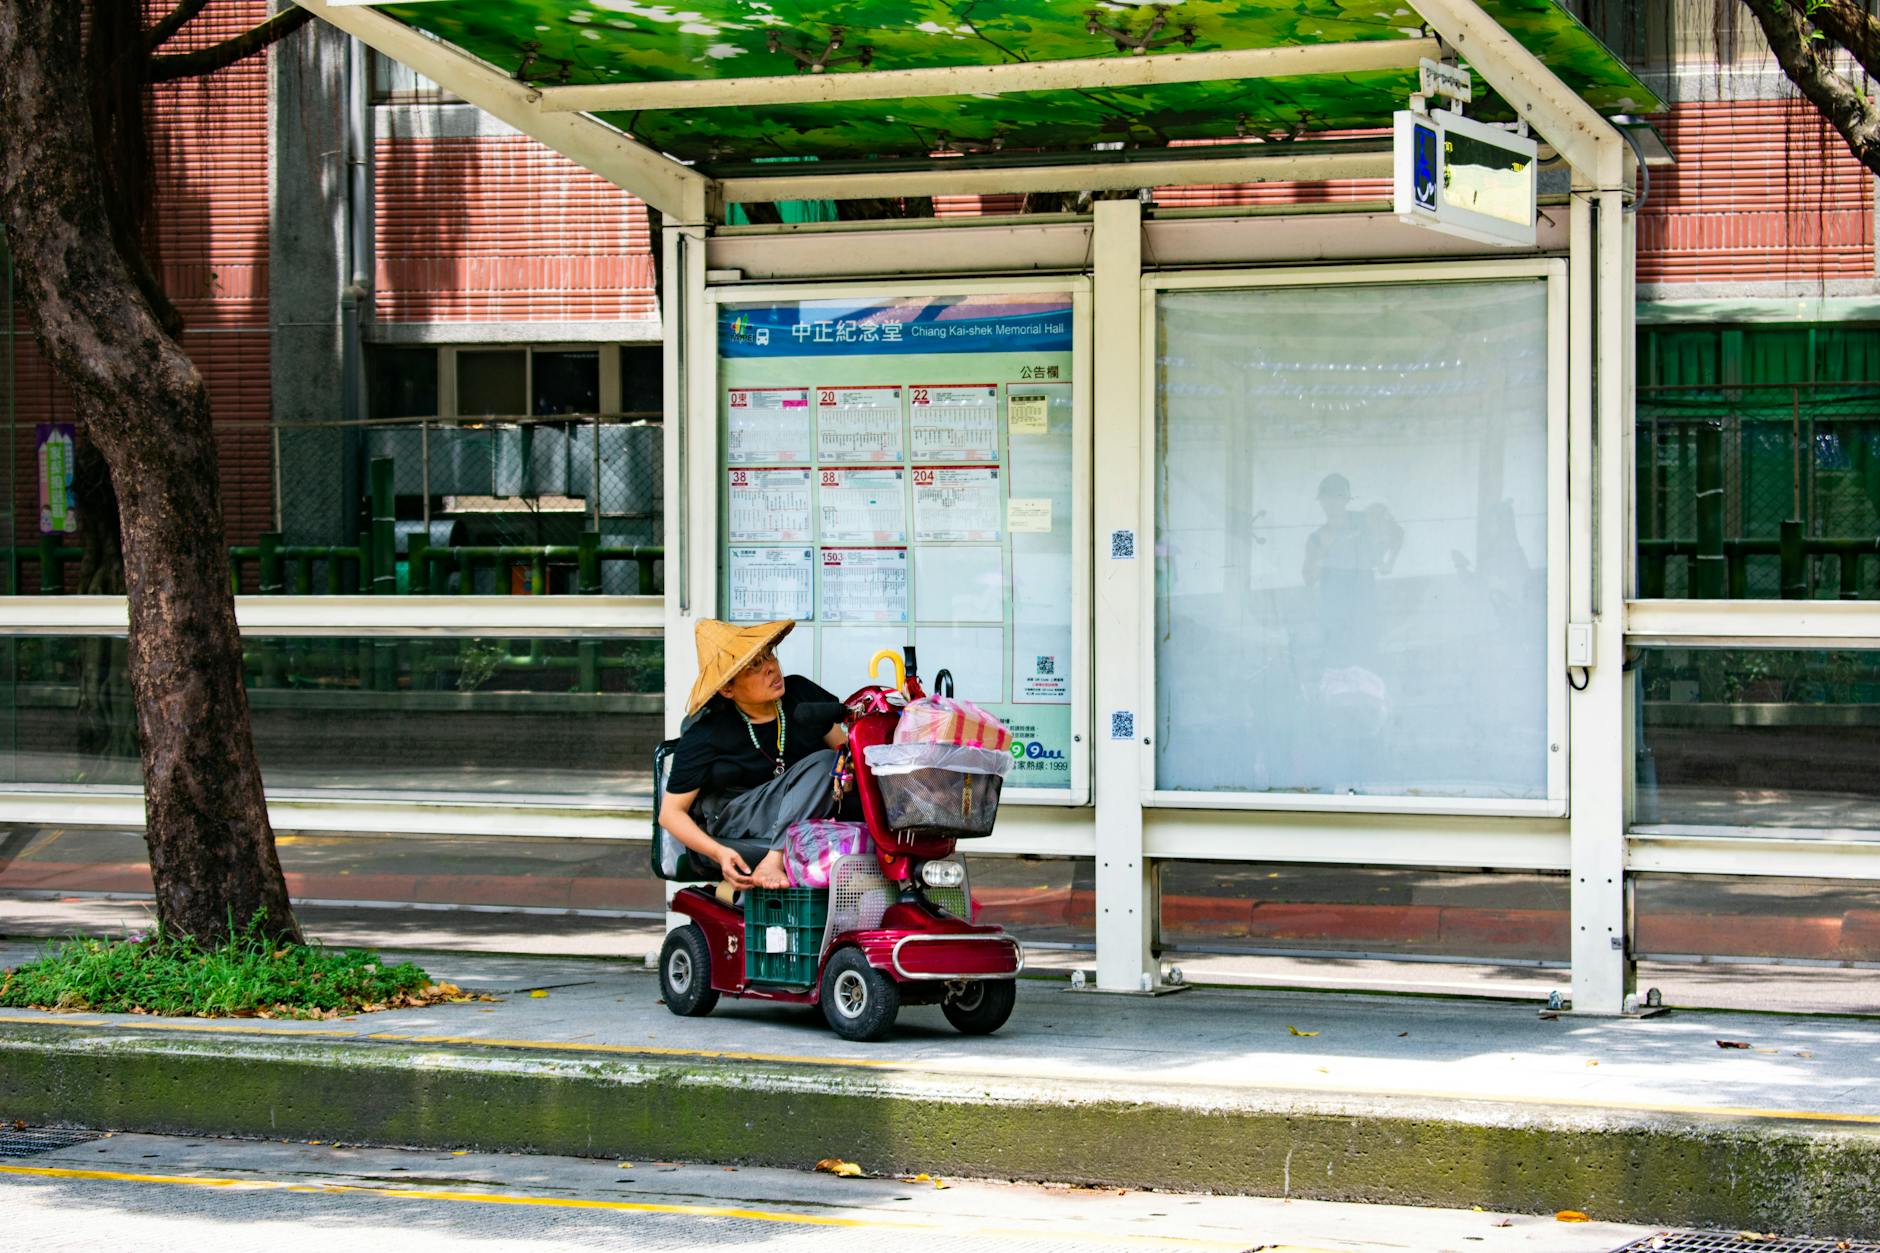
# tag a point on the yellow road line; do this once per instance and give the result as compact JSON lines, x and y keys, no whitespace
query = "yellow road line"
{"x":630,"y":1207}
{"x":931,"y":1067}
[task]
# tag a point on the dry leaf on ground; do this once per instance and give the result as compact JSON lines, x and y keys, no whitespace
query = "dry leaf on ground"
{"x":840,"y":1169}
{"x":1296,"y":1031}
{"x":1733,"y":1044}
{"x":1571,"y":1216}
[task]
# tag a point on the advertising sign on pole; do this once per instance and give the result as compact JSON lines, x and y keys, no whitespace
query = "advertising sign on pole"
{"x":58,"y":508}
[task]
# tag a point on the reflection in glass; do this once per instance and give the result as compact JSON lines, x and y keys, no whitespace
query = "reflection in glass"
{"x":525,"y":719}
{"x":402,"y":382}
{"x":566,"y":382}
{"x":1738,"y":737}
{"x":1351,"y":560}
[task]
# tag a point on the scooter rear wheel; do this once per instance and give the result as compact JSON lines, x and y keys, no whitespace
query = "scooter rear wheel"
{"x":685,"y":973}
{"x":982,"y":1006}
{"x":859,"y":1002}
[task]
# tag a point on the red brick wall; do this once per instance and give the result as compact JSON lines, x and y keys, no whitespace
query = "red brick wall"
{"x":504,"y":229}
{"x":1763,"y":190}
{"x":209,"y":241}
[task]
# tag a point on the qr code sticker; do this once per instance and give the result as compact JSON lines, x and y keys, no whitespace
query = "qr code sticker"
{"x":1122,"y":545}
{"x":1122,"y":725}
{"x":1046,"y":665}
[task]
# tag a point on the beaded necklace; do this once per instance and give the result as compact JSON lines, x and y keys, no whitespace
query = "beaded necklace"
{"x":751,"y":731}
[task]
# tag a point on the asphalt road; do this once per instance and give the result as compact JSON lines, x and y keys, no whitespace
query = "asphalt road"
{"x":155,"y":1194}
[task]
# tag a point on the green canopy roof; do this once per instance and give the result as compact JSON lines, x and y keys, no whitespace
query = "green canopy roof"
{"x":554,"y":43}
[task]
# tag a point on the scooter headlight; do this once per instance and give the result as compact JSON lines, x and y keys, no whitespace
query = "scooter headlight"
{"x":942,"y":874}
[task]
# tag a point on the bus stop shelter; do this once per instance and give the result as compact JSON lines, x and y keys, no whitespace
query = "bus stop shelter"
{"x":1291,"y":531}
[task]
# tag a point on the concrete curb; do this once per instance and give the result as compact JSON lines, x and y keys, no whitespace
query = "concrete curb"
{"x":1794,"y":1176}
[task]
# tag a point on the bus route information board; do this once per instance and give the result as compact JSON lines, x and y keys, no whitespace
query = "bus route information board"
{"x":899,"y":471}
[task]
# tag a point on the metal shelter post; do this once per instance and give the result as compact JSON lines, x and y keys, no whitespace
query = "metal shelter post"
{"x":1603,"y":970}
{"x":1600,"y":298}
{"x":1122,"y":750}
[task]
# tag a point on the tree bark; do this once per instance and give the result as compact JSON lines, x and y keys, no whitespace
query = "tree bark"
{"x":1801,"y":33}
{"x":212,"y":851}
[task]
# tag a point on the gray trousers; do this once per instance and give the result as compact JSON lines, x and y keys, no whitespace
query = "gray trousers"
{"x":754,"y":822}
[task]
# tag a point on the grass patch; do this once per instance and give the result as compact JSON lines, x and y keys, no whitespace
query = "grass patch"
{"x":246,"y":975}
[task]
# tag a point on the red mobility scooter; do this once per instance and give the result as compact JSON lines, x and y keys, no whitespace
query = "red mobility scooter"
{"x":894,"y":927}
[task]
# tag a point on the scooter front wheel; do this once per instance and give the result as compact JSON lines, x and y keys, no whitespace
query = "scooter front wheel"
{"x":982,"y":1006}
{"x":685,"y":973}
{"x":859,"y":1001}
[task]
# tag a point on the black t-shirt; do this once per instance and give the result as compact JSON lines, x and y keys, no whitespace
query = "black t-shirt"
{"x":716,"y":754}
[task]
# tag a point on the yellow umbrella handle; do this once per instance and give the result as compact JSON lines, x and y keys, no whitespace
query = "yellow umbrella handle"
{"x":893,"y":658}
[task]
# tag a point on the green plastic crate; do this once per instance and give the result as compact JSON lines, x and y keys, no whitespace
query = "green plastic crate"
{"x":801,"y":914}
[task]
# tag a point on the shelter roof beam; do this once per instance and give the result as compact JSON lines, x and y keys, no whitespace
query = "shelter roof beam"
{"x":1082,"y":74}
{"x":682,"y":194}
{"x":1575,"y":128}
{"x":1319,"y":162}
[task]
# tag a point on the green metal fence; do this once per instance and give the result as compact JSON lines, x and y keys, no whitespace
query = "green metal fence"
{"x":498,"y":506}
{"x":1759,"y":491}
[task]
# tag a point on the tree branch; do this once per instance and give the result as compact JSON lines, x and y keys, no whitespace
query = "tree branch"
{"x":182,"y":15}
{"x":208,"y":60}
{"x":1850,"y":24}
{"x":1797,"y":46}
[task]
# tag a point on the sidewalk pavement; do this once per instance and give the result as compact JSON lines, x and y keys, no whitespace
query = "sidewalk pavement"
{"x":1412,"y":1100}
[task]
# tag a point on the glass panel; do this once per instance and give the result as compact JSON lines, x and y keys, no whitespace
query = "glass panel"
{"x":1351,"y":550}
{"x":1713,"y":917}
{"x":1049,"y":902}
{"x":413,"y":717}
{"x":898,"y":471}
{"x":1739,"y":737}
{"x":1759,"y":492}
{"x":527,"y":872}
{"x":492,"y":384}
{"x":403,"y":382}
{"x":567,"y":382}
{"x":1255,"y":907}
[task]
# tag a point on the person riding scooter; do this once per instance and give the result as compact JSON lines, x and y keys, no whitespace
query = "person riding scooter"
{"x":758,"y":753}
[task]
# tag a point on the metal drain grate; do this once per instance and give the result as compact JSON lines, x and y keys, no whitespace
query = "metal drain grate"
{"x":25,"y":1143}
{"x":1740,"y":1242}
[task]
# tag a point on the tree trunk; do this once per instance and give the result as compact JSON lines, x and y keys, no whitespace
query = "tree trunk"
{"x":211,"y":849}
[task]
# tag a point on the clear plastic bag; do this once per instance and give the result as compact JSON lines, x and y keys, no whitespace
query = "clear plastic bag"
{"x":944,"y":720}
{"x":939,"y":787}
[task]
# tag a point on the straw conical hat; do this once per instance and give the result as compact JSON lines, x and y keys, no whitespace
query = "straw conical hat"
{"x":723,"y":650}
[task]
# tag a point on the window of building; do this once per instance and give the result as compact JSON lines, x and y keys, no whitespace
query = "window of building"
{"x":396,"y":83}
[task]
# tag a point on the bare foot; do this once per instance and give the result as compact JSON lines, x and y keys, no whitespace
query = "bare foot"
{"x":769,"y":873}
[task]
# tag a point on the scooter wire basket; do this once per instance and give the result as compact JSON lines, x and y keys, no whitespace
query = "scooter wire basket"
{"x":939,"y":787}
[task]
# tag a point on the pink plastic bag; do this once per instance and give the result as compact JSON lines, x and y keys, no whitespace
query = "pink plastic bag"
{"x":811,"y":849}
{"x":945,"y":720}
